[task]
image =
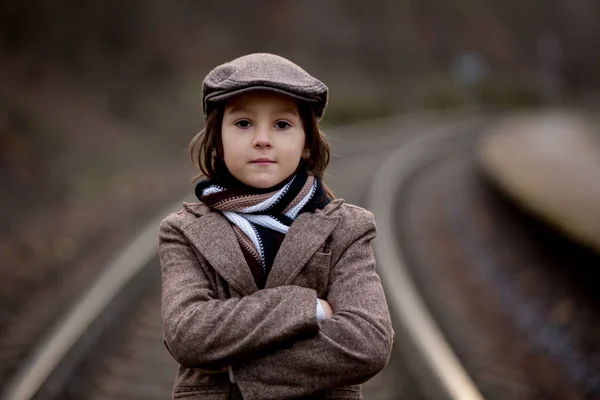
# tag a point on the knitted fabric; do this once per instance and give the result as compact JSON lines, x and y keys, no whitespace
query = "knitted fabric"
{"x":262,"y":217}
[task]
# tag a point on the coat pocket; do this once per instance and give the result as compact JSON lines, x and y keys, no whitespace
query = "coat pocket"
{"x":352,"y":392}
{"x":344,"y":393}
{"x":200,"y":392}
{"x":315,"y":274}
{"x":192,"y":383}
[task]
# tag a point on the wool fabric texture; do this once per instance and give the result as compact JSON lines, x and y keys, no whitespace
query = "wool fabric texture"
{"x":262,"y":217}
{"x":263,"y":71}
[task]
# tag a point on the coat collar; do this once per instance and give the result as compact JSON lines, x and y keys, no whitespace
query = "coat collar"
{"x":303,"y":239}
{"x":223,"y":253}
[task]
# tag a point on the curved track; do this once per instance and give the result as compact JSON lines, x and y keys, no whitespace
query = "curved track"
{"x":487,"y":303}
{"x":109,"y":345}
{"x":513,"y":299}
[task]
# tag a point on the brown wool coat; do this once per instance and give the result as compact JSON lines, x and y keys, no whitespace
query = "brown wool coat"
{"x":214,"y":315}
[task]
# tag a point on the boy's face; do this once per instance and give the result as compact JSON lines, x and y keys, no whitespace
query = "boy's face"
{"x":263,"y":138}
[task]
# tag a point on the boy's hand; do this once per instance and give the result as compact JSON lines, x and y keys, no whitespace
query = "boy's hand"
{"x":326,"y":307}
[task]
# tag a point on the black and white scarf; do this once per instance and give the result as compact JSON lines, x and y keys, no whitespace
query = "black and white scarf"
{"x":262,"y":217}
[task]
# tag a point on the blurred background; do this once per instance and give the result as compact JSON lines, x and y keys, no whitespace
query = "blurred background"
{"x":99,"y":99}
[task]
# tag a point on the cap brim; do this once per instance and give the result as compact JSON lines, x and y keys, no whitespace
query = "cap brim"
{"x":224,"y":95}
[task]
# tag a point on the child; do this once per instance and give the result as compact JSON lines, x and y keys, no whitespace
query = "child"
{"x":269,"y":288}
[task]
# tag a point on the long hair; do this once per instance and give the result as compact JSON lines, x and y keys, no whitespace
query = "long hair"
{"x":206,"y":148}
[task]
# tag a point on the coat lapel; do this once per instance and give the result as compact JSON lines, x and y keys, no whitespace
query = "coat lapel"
{"x":223,"y":254}
{"x":303,"y":239}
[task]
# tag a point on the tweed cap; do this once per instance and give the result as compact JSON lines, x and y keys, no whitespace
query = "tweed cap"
{"x":263,"y":71}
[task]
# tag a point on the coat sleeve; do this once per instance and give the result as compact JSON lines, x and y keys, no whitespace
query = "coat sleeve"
{"x":201,"y":331}
{"x":350,"y":348}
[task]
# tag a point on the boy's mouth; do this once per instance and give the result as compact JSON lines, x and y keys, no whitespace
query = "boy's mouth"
{"x":262,"y":160}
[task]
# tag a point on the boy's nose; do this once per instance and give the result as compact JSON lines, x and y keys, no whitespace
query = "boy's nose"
{"x":262,"y":139}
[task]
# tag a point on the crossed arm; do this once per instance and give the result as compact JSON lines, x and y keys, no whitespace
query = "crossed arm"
{"x":276,"y":329}
{"x":202,"y":331}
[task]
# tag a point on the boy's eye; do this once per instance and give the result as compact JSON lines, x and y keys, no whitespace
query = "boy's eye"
{"x":282,"y":124}
{"x":243,"y":123}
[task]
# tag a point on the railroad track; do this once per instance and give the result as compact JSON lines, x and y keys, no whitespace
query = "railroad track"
{"x":507,"y":303}
{"x":109,"y":345}
{"x":42,"y":273}
{"x":129,"y":361}
{"x":459,"y":332}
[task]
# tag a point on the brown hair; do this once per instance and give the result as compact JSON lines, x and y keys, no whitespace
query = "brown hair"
{"x":206,"y":148}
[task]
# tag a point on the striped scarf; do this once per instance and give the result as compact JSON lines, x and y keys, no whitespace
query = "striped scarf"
{"x":262,"y":217}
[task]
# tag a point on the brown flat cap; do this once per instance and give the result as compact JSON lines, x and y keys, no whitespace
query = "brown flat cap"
{"x":263,"y":71}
